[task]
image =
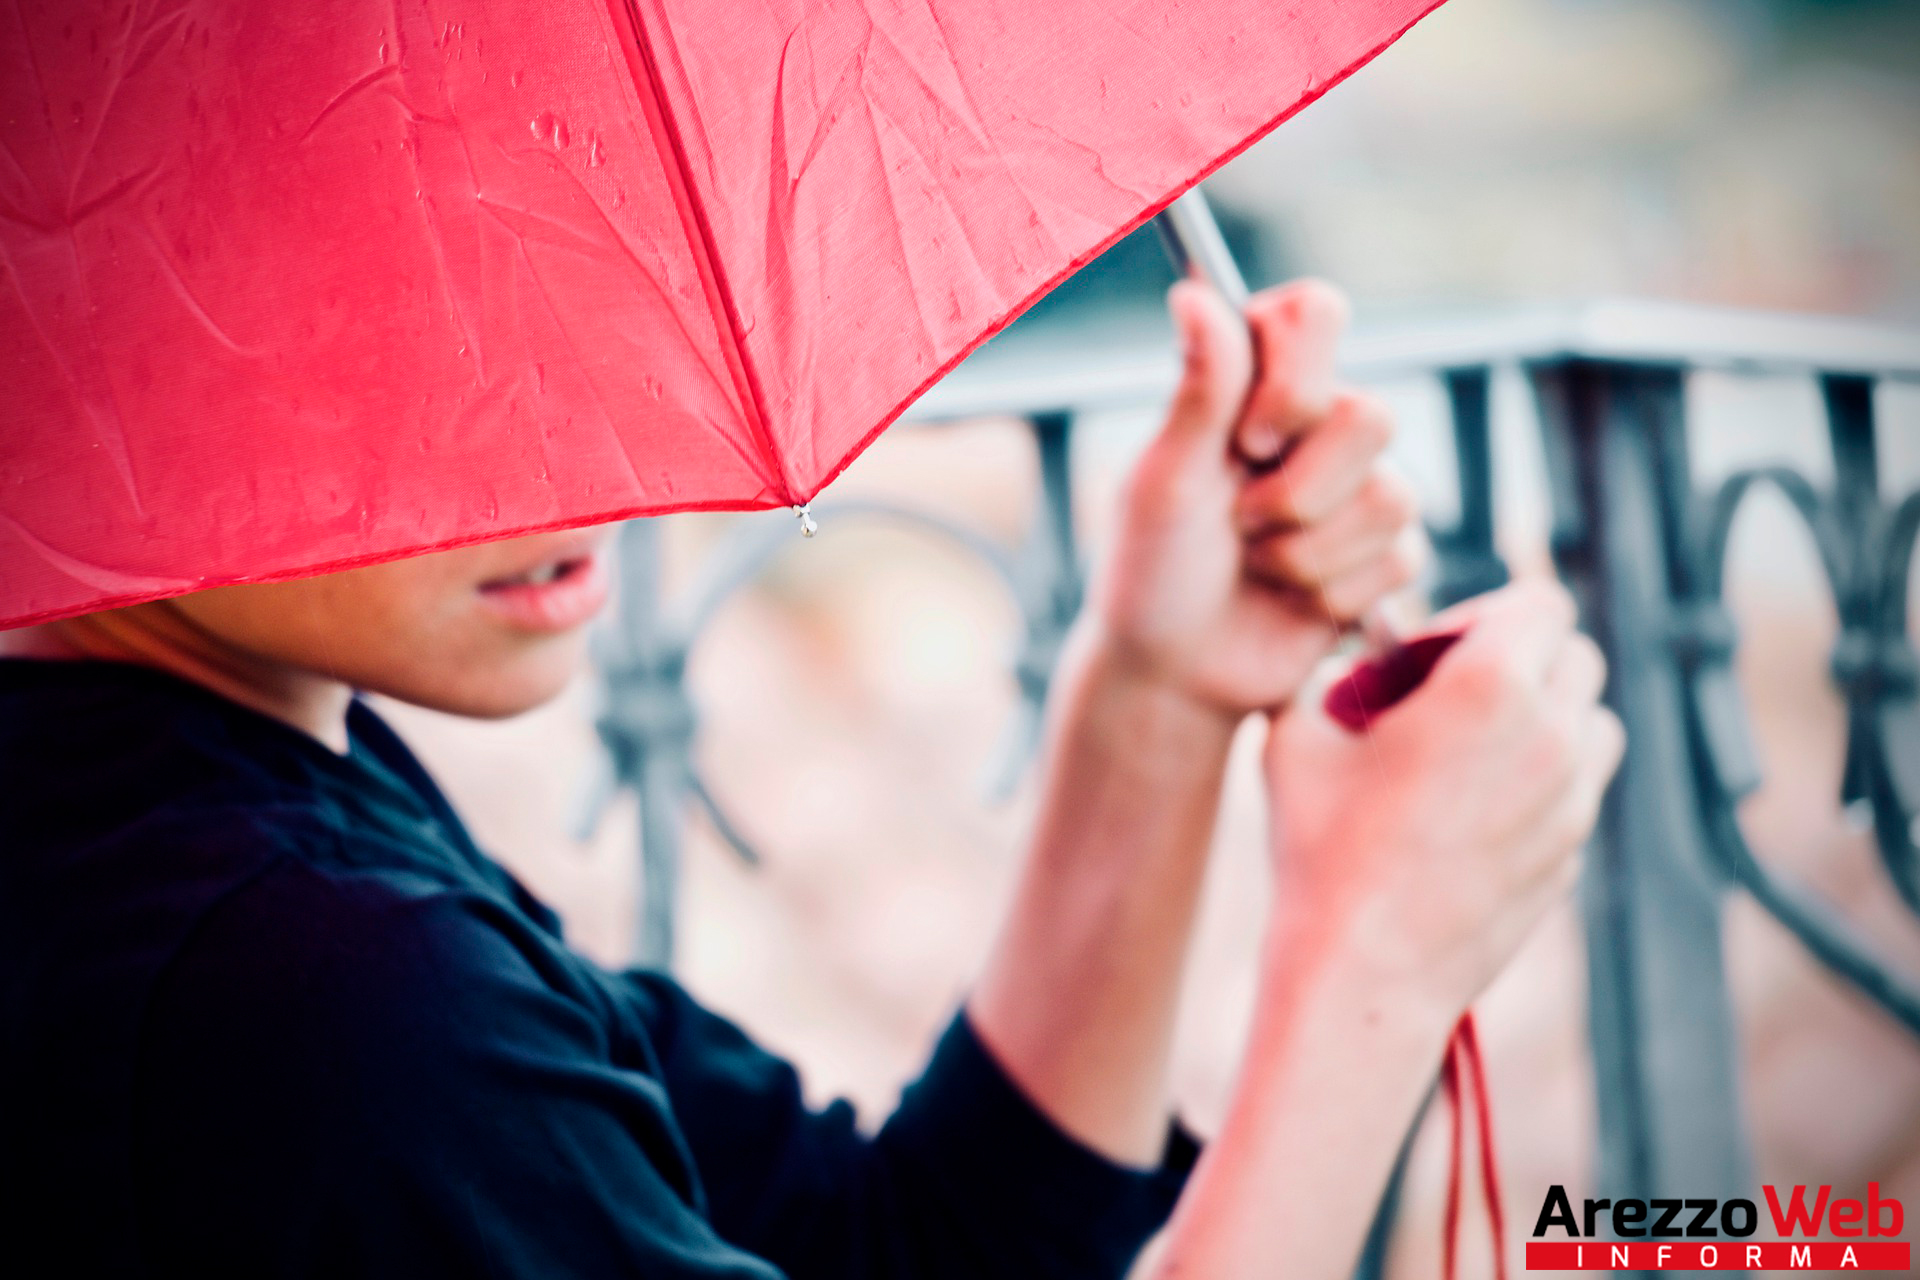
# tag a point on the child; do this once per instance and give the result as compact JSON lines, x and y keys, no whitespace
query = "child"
{"x":269,"y":1013}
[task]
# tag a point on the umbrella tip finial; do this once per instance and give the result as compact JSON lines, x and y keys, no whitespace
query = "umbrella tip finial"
{"x":808,"y":526}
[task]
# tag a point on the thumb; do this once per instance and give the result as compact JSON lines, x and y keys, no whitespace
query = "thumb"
{"x":1218,"y":369}
{"x":1303,"y":727}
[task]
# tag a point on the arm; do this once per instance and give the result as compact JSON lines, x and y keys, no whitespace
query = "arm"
{"x":1333,"y":1072}
{"x":1079,"y":997}
{"x":1410,"y":862}
{"x":1225,"y":586}
{"x":1410,"y":865}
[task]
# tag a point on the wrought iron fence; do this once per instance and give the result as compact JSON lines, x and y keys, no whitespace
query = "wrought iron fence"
{"x":1644,"y":548}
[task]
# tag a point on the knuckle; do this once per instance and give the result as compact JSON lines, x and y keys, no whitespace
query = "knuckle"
{"x":1613,"y":738}
{"x":1574,"y":825}
{"x":1376,"y":420}
{"x":1557,"y":599}
{"x":1365,"y":420}
{"x":1485,"y":683}
{"x":1317,"y":301}
{"x":1407,"y":559}
{"x":1347,"y":603}
{"x":1391,"y":498}
{"x":1556,"y":748}
{"x":1341,"y":607}
{"x":1541,"y":594}
{"x":1586,"y":650}
{"x":1281,"y":497}
{"x":1396,"y":569}
{"x":1285,"y":556}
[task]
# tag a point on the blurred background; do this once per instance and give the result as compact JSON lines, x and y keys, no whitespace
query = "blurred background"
{"x":854,"y":698}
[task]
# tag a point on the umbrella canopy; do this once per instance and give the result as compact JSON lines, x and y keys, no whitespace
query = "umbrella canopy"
{"x":291,"y":288}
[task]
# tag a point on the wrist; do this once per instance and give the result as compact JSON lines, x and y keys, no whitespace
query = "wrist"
{"x":1320,"y":956}
{"x":1125,"y":675}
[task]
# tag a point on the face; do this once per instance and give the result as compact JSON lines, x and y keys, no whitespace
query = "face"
{"x":487,"y":630}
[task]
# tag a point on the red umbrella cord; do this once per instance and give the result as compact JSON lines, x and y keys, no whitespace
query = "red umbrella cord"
{"x":1463,"y":1060}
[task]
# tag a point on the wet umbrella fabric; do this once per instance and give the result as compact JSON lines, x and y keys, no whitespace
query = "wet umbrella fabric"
{"x":292,"y":288}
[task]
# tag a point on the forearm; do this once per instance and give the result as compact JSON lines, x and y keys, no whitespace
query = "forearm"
{"x":1335,"y":1068}
{"x":1079,"y":996}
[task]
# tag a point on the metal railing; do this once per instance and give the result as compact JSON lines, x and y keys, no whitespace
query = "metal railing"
{"x":1643,"y":547}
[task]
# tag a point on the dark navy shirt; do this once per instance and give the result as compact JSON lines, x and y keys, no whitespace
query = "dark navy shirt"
{"x":266,"y":1011}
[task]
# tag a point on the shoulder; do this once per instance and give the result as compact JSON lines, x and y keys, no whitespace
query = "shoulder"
{"x":343,"y":1062}
{"x":349,"y":1018}
{"x":299,"y":959}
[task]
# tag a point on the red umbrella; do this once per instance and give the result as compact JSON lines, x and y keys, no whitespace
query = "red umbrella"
{"x":290,"y":289}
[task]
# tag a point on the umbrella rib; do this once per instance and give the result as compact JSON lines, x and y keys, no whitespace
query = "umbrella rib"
{"x":580,"y":245}
{"x":700,"y":238}
{"x":589,"y":248}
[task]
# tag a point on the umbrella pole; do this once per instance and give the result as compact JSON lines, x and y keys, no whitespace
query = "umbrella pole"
{"x":1193,"y":240}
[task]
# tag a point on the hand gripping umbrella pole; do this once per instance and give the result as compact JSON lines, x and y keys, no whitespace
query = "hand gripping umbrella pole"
{"x":1391,"y":671}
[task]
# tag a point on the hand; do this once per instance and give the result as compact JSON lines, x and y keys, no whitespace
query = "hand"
{"x":1229,"y":581}
{"x":1427,"y":848}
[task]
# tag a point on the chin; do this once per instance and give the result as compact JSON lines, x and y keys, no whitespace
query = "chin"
{"x":497,"y":690}
{"x":497,"y":704}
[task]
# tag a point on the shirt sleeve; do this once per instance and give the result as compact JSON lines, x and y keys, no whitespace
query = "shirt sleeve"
{"x":966,"y":1178}
{"x":342,"y":1081}
{"x":340,"y":1078}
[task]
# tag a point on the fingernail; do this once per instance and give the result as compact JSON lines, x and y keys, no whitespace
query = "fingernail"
{"x":1260,"y":442}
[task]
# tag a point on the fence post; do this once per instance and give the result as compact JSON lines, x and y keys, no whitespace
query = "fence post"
{"x":647,"y":727}
{"x":1664,"y":1041}
{"x":1468,"y":550}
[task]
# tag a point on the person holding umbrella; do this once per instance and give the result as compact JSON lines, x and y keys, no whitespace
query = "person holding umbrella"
{"x":268,"y":1012}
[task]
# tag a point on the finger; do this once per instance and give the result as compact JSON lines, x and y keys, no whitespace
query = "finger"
{"x":1569,"y":877}
{"x":1351,"y":595}
{"x":1606,"y":748}
{"x":1357,"y":531}
{"x":1298,"y":559}
{"x":1217,"y":364}
{"x":1303,"y":725}
{"x":1296,"y":329}
{"x":1329,"y":463}
{"x":1578,"y":675}
{"x":1571,"y":823}
{"x":1512,"y":638}
{"x":1553,"y":879}
{"x":1531,"y":585}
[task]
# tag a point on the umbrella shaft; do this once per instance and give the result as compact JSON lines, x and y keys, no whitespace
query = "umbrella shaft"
{"x":1193,"y":240}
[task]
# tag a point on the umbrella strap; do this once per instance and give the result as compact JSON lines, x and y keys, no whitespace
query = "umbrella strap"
{"x":1463,"y":1072}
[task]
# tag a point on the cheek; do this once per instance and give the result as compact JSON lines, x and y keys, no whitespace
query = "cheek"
{"x":393,"y":628}
{"x":440,"y":649}
{"x":413,"y":630}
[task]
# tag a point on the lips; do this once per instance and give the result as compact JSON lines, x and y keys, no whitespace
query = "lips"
{"x":556,"y":594}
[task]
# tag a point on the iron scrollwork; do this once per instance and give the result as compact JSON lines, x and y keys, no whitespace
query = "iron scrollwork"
{"x":1866,"y":552}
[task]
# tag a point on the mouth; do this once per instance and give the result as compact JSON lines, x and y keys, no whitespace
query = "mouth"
{"x":557,"y":594}
{"x":540,"y":576}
